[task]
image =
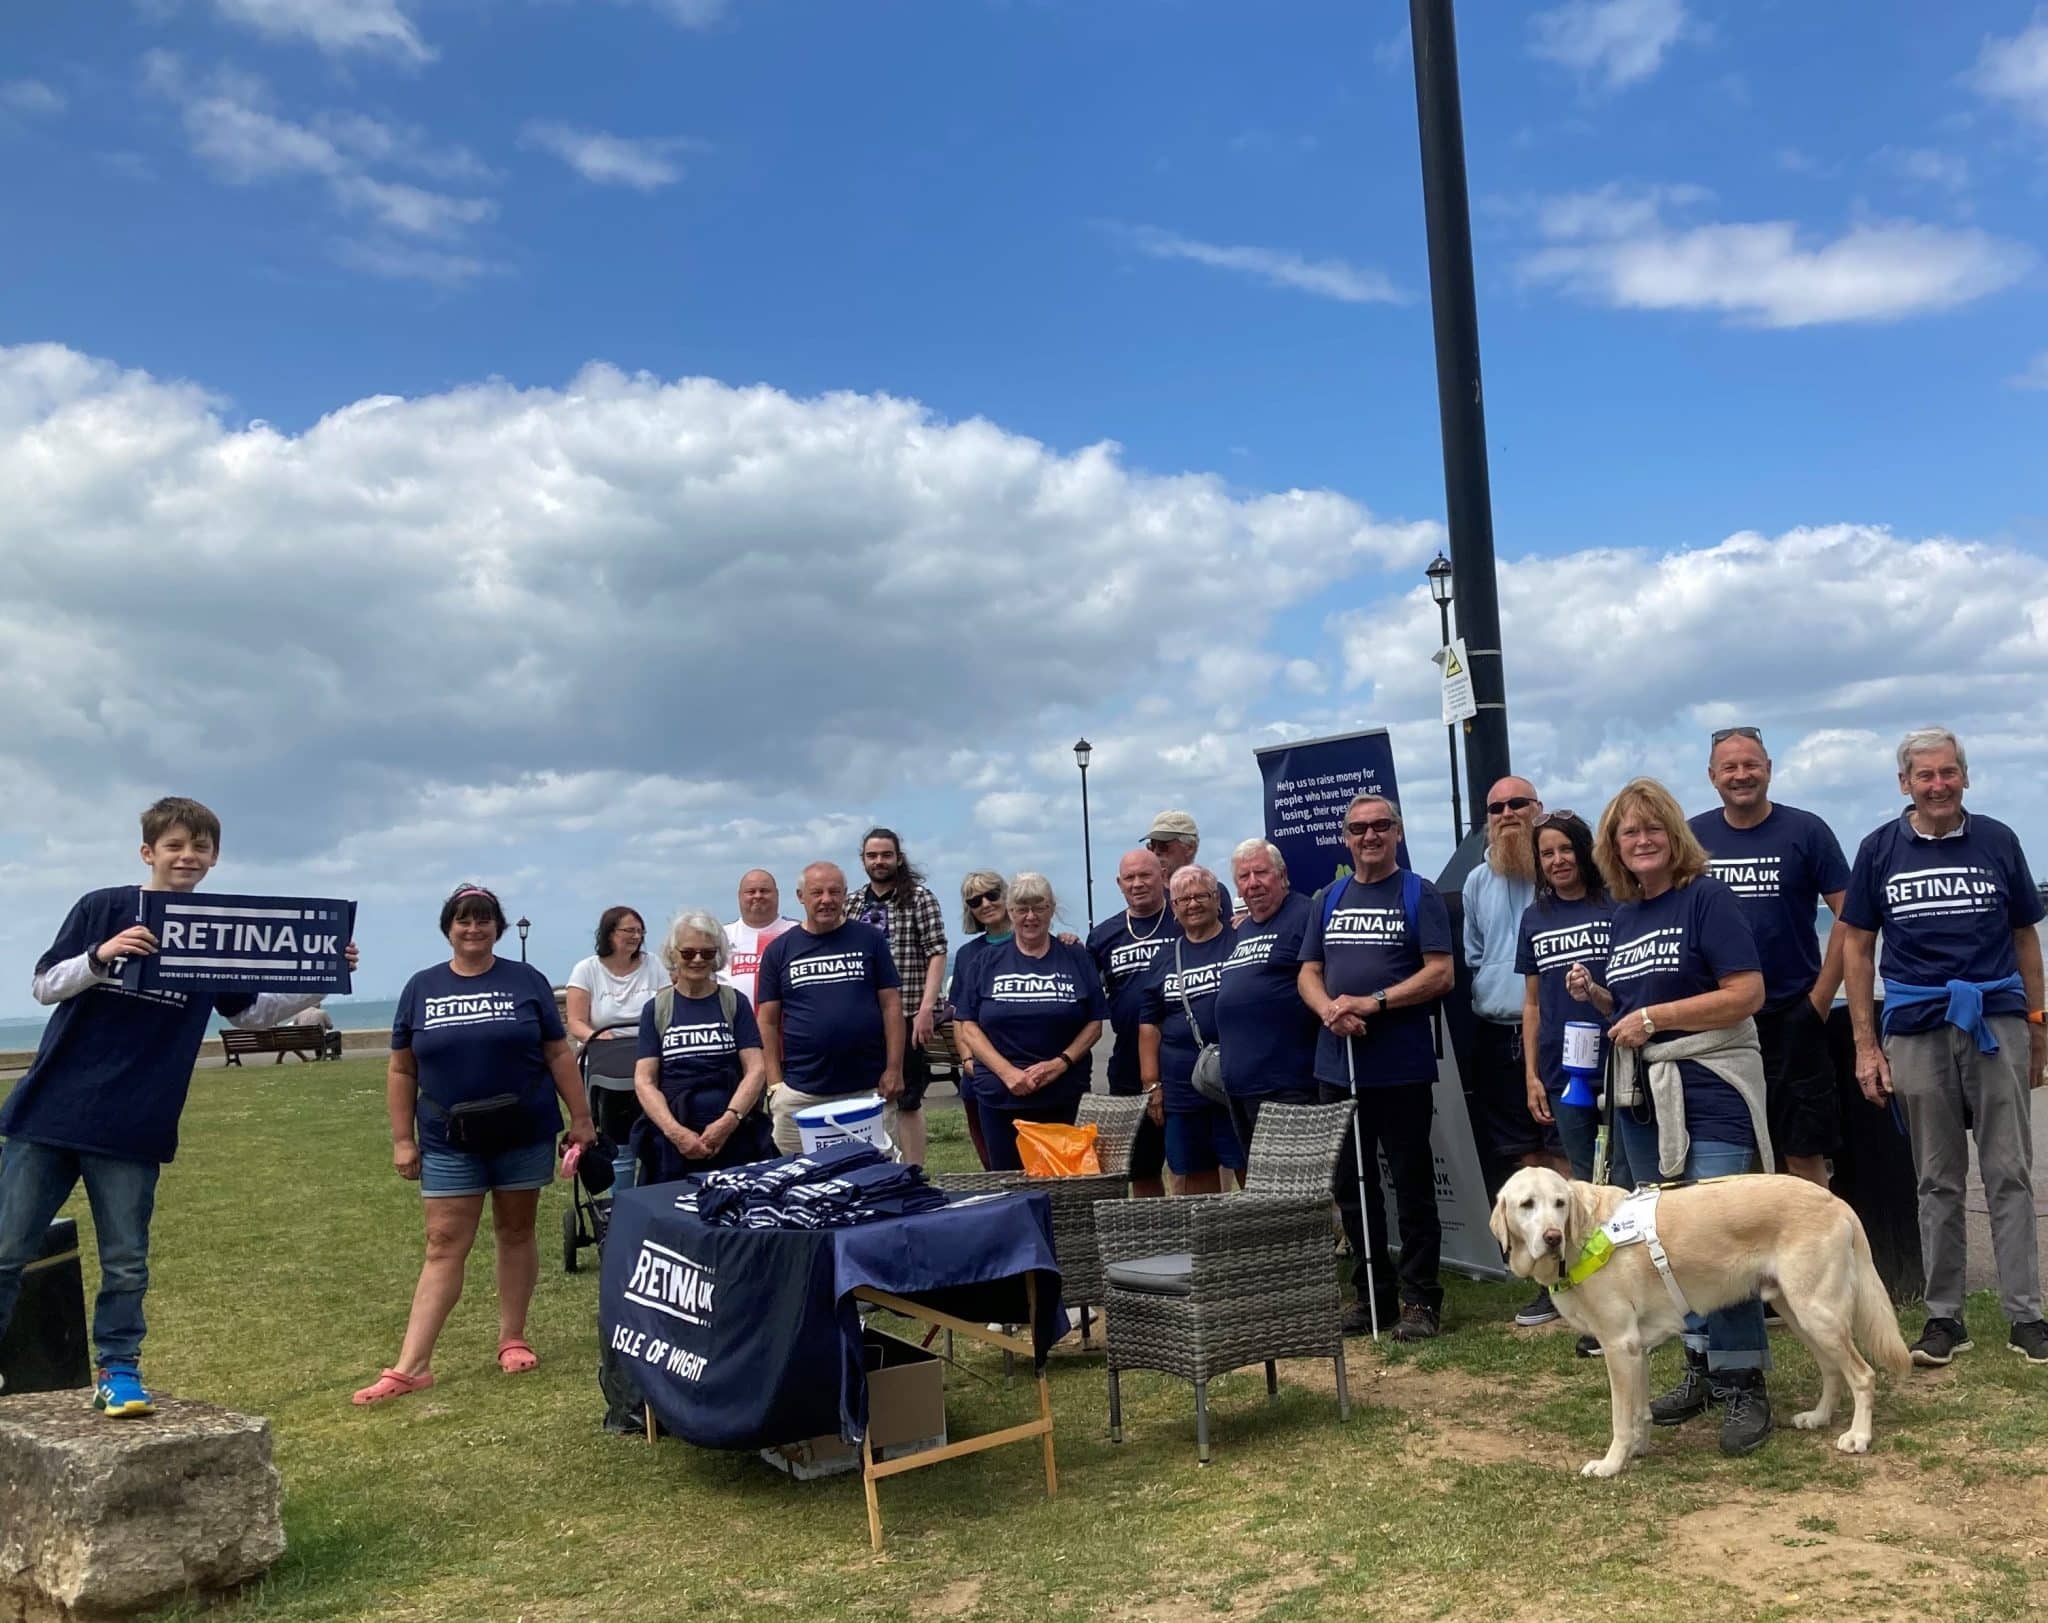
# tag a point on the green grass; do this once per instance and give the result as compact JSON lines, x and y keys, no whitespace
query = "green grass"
{"x":284,"y":1257}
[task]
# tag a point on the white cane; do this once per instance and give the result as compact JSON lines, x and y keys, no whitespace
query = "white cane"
{"x":1372,"y":1296}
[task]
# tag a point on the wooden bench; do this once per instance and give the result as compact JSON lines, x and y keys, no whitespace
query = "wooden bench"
{"x":308,"y":1042}
{"x":941,"y":1055}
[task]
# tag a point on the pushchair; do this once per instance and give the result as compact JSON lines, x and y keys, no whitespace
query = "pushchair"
{"x":607,"y":1067}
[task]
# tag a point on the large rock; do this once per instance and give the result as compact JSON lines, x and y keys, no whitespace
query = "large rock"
{"x":100,"y":1517}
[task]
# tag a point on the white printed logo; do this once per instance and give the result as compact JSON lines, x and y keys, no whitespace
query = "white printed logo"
{"x":1575,"y":943}
{"x":1947,"y":892}
{"x":828,"y":969}
{"x":1366,"y":927}
{"x":1751,"y":878}
{"x":1197,"y":980}
{"x":680,"y":1042}
{"x":469,"y":1009}
{"x":1028,"y":988}
{"x":1659,"y":952}
{"x":1128,"y":958}
{"x":671,"y":1283}
{"x":1250,"y":949}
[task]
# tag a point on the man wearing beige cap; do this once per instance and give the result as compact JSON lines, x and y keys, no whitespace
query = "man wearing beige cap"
{"x":1174,"y":840}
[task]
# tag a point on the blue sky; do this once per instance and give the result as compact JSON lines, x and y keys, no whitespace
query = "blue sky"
{"x":1764,"y":271}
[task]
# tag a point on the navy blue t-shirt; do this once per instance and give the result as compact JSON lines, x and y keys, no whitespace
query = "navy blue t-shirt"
{"x":828,"y":986}
{"x":1778,"y":871}
{"x":1556,"y":934}
{"x":1679,"y":946}
{"x":699,"y":1054}
{"x":1368,"y":948}
{"x":1030,"y":1009}
{"x":111,"y":1073}
{"x":475,"y":1036}
{"x":1124,"y":950}
{"x":1268,"y":1034}
{"x":1200,"y":972}
{"x":964,"y":961}
{"x":1947,"y":908}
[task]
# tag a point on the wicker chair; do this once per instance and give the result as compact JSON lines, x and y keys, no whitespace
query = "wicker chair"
{"x":1203,"y":1285}
{"x":1074,"y":1199}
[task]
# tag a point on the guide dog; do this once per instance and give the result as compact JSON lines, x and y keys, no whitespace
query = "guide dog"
{"x":1782,"y":1238}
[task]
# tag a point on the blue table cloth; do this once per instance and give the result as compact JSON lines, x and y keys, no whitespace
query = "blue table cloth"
{"x":745,"y":1338}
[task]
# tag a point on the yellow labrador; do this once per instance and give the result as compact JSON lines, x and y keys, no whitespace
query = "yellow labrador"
{"x":1782,"y":1238}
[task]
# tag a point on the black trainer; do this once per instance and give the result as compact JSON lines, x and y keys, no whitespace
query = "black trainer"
{"x":2030,"y":1341}
{"x":1690,"y":1397}
{"x":1357,"y":1320}
{"x":1745,"y":1412}
{"x":1588,"y":1347}
{"x":1941,"y":1341}
{"x":1418,"y":1323}
{"x":1539,"y":1310}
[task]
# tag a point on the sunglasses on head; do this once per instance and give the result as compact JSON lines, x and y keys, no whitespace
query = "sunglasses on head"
{"x":985,"y":898}
{"x":1377,"y":825}
{"x":1514,"y":803}
{"x":1755,"y":735}
{"x":1551,"y":819}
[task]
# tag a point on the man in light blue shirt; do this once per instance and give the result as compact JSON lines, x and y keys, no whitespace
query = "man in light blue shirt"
{"x":1497,"y":891}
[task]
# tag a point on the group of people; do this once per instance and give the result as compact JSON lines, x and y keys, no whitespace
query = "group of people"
{"x":1691,"y":945}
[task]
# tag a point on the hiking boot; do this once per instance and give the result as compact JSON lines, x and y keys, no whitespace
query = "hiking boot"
{"x":1357,"y":1320}
{"x":1588,"y":1347}
{"x":1540,"y":1310}
{"x":1940,"y":1341}
{"x":1688,"y":1398}
{"x":1418,"y":1323}
{"x":2030,"y":1341}
{"x":120,"y":1393}
{"x":1745,"y":1412}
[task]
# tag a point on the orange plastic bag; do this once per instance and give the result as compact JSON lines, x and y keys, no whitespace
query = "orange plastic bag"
{"x":1051,"y":1149}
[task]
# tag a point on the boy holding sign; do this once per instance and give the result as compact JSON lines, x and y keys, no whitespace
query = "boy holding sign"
{"x":100,"y":1103}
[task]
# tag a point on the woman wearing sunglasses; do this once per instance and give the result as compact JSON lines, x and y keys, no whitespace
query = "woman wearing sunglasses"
{"x":700,"y":1072}
{"x":984,"y":923}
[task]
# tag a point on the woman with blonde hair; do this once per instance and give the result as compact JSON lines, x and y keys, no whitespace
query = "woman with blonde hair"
{"x":984,"y":923}
{"x":1681,"y":980}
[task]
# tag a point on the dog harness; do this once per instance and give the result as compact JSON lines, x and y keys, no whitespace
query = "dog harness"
{"x":1634,"y":1223}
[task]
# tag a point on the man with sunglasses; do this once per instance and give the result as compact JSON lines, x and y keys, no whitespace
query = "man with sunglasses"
{"x":1497,"y":893}
{"x":1174,"y":840}
{"x":1373,"y":971}
{"x":1781,"y":863}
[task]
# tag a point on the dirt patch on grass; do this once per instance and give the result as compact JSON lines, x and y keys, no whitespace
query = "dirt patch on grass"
{"x":1223,"y":1595}
{"x":957,"y":1599}
{"x":1901,"y":1544}
{"x":1441,"y":1405}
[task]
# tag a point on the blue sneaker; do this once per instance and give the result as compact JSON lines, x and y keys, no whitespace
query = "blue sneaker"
{"x":120,"y":1393}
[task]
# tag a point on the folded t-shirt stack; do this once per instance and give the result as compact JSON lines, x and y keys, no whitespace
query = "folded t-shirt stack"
{"x":834,"y":1187}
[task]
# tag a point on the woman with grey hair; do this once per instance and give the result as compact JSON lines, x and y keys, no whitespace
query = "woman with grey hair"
{"x":700,"y":1073}
{"x":1030,"y":1013}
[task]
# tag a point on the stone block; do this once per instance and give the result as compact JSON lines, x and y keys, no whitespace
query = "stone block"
{"x":103,"y":1517}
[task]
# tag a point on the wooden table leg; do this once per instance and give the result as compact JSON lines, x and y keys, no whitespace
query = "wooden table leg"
{"x":647,"y":1412}
{"x":867,"y":1479}
{"x":1052,"y":1478}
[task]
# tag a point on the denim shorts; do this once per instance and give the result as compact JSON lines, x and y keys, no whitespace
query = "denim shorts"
{"x":1201,"y":1141}
{"x":448,"y":1173}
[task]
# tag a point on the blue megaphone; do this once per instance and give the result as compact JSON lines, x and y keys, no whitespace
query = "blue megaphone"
{"x":1581,"y":1062}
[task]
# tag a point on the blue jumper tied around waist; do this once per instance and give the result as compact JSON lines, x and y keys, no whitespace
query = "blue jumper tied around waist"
{"x":1965,"y":1001}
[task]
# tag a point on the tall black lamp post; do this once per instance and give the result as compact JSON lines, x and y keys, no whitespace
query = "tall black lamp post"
{"x":523,"y":926}
{"x":1439,"y":573}
{"x":1082,"y":751}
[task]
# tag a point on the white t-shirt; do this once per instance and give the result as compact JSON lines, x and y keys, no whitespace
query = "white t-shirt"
{"x":745,"y":944}
{"x":618,"y":999}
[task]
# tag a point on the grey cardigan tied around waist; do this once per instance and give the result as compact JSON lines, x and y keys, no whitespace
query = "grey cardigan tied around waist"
{"x":1732,"y":1055}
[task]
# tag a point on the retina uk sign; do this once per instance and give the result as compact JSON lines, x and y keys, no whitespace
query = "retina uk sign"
{"x":250,"y":943}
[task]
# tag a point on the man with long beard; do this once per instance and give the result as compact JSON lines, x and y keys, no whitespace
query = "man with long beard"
{"x":1496,"y":1092}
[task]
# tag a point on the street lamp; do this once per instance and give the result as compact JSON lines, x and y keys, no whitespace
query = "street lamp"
{"x":524,"y":925}
{"x":1082,"y":751}
{"x":1439,"y":573}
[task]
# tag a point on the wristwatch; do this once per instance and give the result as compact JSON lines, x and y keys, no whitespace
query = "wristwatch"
{"x":1380,"y":998}
{"x":1649,"y":1025}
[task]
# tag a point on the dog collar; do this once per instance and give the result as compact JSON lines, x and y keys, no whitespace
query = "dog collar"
{"x":1591,"y":1259}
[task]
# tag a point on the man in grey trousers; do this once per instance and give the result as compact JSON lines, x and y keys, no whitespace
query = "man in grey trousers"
{"x":1962,"y":1028}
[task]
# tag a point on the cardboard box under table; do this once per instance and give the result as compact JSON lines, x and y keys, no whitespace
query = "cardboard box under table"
{"x":750,"y":1338}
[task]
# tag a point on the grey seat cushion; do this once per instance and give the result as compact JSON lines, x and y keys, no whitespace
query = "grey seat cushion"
{"x":1170,"y":1275}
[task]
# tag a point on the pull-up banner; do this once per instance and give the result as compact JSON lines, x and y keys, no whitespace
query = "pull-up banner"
{"x":249,"y":943}
{"x":1308,"y":785}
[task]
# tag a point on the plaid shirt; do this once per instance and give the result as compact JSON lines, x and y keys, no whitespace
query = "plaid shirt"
{"x":916,"y":933}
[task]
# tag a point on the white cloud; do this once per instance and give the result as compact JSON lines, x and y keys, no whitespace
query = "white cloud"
{"x":644,"y":163}
{"x":232,"y":127}
{"x":688,"y":13}
{"x":2015,"y":71}
{"x":621,"y":636}
{"x":31,"y":97}
{"x":1930,"y":166}
{"x":2034,"y":375}
{"x":1621,"y":42}
{"x":1326,"y":278}
{"x":374,"y":27}
{"x":1616,"y":247}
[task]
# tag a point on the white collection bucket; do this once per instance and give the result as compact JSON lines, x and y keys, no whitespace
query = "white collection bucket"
{"x":841,"y":1121}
